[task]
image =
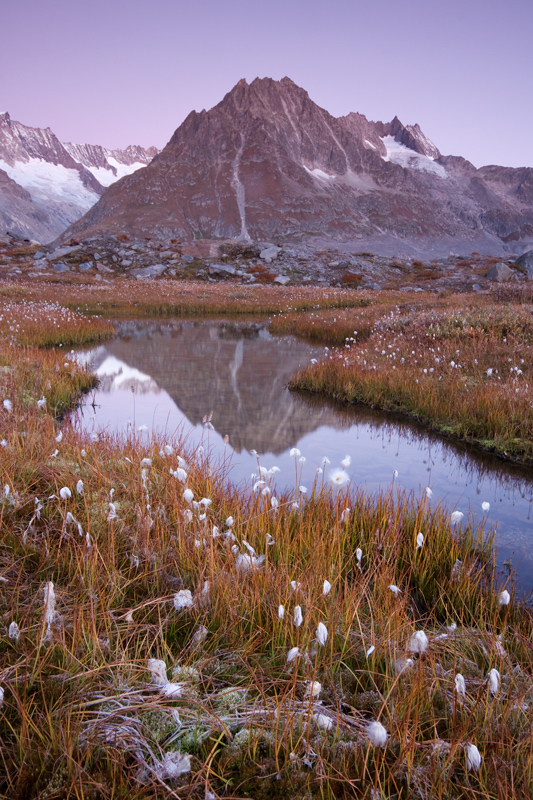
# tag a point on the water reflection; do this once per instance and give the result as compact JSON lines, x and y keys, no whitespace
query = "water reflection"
{"x":169,"y":376}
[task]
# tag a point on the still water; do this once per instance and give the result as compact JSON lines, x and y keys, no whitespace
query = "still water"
{"x":169,"y":376}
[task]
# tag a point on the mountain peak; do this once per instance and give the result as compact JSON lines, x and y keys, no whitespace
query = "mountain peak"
{"x":57,"y":182}
{"x":270,"y":165}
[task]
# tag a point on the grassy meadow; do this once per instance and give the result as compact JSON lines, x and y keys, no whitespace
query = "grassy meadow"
{"x":166,"y":634}
{"x":459,"y":363}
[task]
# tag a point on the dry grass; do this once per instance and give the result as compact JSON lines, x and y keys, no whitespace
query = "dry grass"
{"x":46,"y":324}
{"x":90,"y":576}
{"x":459,"y":364}
{"x":125,"y":297}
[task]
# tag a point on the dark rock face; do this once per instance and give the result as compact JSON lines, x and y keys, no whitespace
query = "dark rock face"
{"x":268,"y":164}
{"x":100,"y":158}
{"x":18,"y":213}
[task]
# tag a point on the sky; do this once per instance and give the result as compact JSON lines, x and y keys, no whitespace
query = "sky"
{"x":119,"y":72}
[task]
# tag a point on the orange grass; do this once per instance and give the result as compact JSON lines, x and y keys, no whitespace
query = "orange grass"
{"x":82,"y":715}
{"x":459,"y":365}
{"x":125,"y":297}
{"x":46,"y":324}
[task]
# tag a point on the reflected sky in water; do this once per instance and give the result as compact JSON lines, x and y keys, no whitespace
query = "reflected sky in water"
{"x":169,"y":376}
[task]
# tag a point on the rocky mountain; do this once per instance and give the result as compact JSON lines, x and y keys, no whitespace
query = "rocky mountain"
{"x":267,"y":164}
{"x":45,"y":185}
{"x":109,"y":165}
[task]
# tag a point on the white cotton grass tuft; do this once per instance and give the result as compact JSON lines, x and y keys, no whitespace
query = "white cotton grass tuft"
{"x":8,"y":405}
{"x":473,"y":758}
{"x":49,"y":607}
{"x":321,"y":634}
{"x":394,"y":589}
{"x":246,"y":562}
{"x":460,"y":685}
{"x":172,"y":766}
{"x":345,"y":516}
{"x":293,"y":653}
{"x":183,"y":599}
{"x":323,"y":721}
{"x":1,"y":696}
{"x":281,"y":611}
{"x":313,"y":689}
{"x":294,"y":452}
{"x":65,"y":493}
{"x":429,"y":493}
{"x":346,"y":461}
{"x":494,"y":681}
{"x":370,"y":651}
{"x":338,"y":477}
{"x":358,"y":556}
{"x":485,"y":506}
{"x":14,"y":631}
{"x":158,"y":670}
{"x":79,"y":487}
{"x":456,"y":517}
{"x":419,"y":540}
{"x":376,"y":734}
{"x":298,"y":617}
{"x":42,"y":402}
{"x":418,"y":642}
{"x":326,"y":588}
{"x":172,"y":689}
{"x":504,"y":598}
{"x":188,"y":495}
{"x":112,"y":514}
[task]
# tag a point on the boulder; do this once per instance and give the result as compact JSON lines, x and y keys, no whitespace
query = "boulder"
{"x":221,"y":269}
{"x":85,"y":266}
{"x":149,"y":272}
{"x":525,"y":261}
{"x":61,"y":267}
{"x":282,"y":279}
{"x":269,"y":254}
{"x":61,"y":252}
{"x":499,"y":272}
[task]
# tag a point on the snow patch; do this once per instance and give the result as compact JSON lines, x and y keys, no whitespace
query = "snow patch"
{"x":124,"y":376}
{"x":405,"y":157}
{"x":104,"y":176}
{"x":373,"y":146}
{"x":319,"y":173}
{"x":45,"y":181}
{"x":123,"y":169}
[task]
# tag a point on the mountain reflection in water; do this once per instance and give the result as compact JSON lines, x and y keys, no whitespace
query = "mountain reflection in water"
{"x":169,"y":376}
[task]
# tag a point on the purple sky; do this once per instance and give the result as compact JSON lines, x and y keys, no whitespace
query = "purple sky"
{"x":119,"y":72}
